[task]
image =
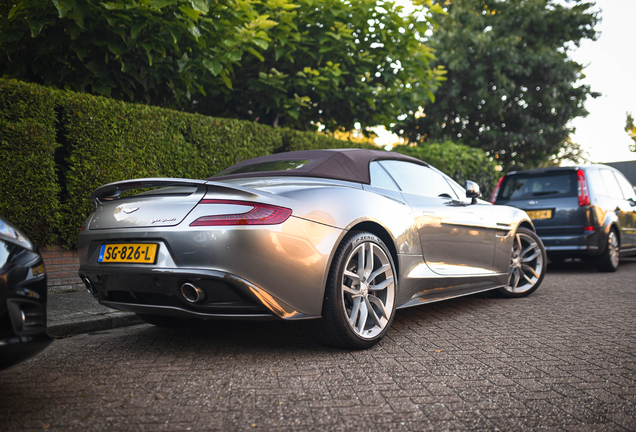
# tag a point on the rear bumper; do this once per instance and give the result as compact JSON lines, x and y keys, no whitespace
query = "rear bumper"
{"x":27,"y":334}
{"x":287,"y":262}
{"x":588,"y":244}
{"x":158,"y":292}
{"x":23,"y":295}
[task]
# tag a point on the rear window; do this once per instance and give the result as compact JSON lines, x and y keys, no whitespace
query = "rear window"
{"x":548,"y":185}
{"x":283,"y":165}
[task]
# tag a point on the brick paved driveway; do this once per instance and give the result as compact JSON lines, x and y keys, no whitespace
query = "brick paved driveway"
{"x":562,"y":359}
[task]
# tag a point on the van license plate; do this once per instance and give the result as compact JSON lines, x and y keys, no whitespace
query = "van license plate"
{"x":539,"y":214}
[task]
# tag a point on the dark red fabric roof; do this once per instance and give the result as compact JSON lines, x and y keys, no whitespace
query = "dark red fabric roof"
{"x":338,"y":164}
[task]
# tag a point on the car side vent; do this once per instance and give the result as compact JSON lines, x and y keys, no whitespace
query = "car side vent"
{"x":503,"y":229}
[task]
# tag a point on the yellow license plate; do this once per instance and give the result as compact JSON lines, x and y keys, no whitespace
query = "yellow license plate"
{"x":138,"y":253}
{"x":539,"y":214}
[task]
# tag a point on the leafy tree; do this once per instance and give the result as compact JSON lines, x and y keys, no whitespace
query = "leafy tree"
{"x":631,"y":130}
{"x":156,"y":51}
{"x":297,"y":64}
{"x":336,"y":63}
{"x":570,"y":152}
{"x":511,"y":86}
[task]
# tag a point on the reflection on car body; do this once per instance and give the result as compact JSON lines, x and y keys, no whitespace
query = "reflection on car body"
{"x":336,"y":238}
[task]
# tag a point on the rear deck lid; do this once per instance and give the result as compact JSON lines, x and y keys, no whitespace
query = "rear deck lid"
{"x":162,"y":202}
{"x":157,"y":208}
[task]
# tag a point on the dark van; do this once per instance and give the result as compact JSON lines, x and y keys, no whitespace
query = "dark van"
{"x":579,"y":212}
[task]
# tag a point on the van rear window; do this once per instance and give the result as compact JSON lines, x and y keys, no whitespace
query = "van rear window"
{"x":547,"y":185}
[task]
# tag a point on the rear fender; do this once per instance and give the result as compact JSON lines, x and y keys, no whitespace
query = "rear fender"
{"x":610,"y":222}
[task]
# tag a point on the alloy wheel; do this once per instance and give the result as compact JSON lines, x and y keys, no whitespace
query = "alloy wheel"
{"x":368,"y":290}
{"x":526,"y":265}
{"x":612,"y":245}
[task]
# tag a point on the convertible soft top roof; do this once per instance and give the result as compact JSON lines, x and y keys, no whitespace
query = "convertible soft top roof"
{"x":338,"y":164}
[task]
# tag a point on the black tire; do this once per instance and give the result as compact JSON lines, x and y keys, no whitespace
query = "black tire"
{"x":167,"y":321}
{"x":528,"y":262}
{"x":359,"y":301}
{"x":608,"y":261}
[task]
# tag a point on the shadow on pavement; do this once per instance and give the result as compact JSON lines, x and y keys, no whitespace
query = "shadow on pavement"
{"x":584,"y":266}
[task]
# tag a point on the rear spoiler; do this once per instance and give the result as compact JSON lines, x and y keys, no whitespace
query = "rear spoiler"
{"x":112,"y":191}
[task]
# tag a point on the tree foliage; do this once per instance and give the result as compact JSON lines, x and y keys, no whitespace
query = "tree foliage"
{"x":336,"y":63}
{"x":571,"y":152}
{"x":631,"y":130}
{"x":156,"y":51}
{"x":297,"y":64}
{"x":511,"y":88}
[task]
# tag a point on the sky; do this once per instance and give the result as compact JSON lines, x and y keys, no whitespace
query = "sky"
{"x":610,"y":69}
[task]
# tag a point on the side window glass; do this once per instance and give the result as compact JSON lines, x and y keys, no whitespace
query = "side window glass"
{"x":459,"y":191}
{"x":418,"y":179}
{"x":613,"y":188}
{"x":595,"y":181}
{"x":626,"y":187}
{"x":380,"y":178}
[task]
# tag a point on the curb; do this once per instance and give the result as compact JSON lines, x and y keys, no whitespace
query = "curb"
{"x":93,"y":324}
{"x":71,"y":313}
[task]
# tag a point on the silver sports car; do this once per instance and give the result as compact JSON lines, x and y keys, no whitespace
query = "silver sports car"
{"x":337,"y":238}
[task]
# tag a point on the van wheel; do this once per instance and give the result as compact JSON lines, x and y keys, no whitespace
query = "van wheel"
{"x":609,"y":259}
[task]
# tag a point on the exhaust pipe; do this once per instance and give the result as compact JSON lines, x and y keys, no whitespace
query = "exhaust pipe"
{"x":89,"y":286}
{"x":192,"y":293}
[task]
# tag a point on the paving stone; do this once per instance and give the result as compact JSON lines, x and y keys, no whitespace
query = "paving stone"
{"x":563,"y":359}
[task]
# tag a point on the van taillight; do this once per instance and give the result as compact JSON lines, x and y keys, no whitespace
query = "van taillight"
{"x":584,"y":195}
{"x":494,"y":194}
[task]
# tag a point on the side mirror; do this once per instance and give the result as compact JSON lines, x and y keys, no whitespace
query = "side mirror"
{"x":472,"y":190}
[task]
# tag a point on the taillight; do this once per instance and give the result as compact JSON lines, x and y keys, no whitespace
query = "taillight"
{"x":93,"y":210}
{"x":494,"y":194}
{"x":584,"y":196}
{"x":260,"y":214}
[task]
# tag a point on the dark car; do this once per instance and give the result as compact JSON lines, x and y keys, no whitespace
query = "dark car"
{"x":579,"y":212}
{"x":22,"y":298}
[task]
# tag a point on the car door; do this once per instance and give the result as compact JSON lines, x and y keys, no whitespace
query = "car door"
{"x":627,"y":214}
{"x":457,"y":237}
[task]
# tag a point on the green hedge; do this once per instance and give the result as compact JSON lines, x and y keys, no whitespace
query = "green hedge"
{"x":29,"y":194}
{"x":58,"y":146}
